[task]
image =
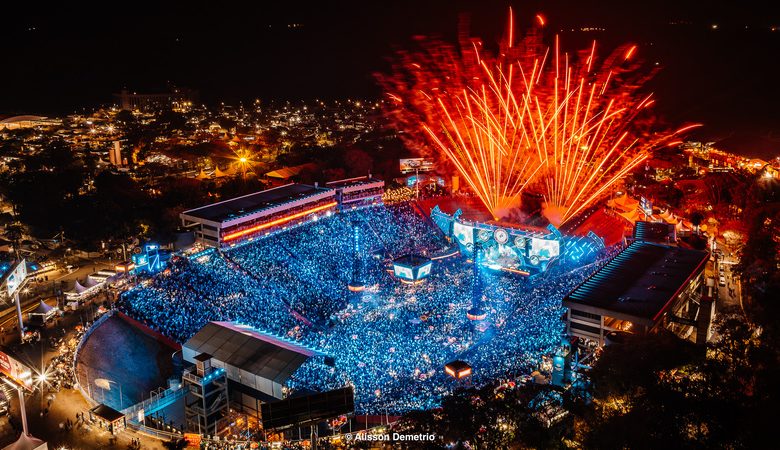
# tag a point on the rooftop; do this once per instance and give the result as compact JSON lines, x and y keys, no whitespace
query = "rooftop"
{"x":351,"y":182}
{"x":107,"y":413}
{"x":259,"y":353}
{"x":248,"y":204}
{"x":411,"y":260}
{"x":639,"y":283}
{"x":652,"y":231}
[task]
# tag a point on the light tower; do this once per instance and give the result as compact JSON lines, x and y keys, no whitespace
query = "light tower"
{"x":356,"y":284}
{"x":476,"y":312}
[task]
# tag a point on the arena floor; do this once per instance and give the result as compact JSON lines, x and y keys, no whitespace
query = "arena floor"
{"x":123,"y":353}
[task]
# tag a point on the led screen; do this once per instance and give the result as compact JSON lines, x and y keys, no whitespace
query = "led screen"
{"x":403,"y":272}
{"x":463,"y":233}
{"x":424,"y":271}
{"x":544,"y":248}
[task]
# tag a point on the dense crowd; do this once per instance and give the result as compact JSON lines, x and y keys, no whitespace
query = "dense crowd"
{"x":390,"y":341}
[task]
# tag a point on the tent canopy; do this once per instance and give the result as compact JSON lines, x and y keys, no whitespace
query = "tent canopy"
{"x":42,"y":309}
{"x":26,"y":442}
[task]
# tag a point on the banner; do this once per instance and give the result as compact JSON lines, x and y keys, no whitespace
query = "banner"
{"x":16,"y":371}
{"x":409,"y":165}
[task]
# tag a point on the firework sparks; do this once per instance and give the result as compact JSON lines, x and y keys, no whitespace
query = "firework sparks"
{"x":527,"y":117}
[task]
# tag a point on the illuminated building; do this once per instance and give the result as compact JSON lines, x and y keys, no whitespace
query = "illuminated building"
{"x":19,"y":122}
{"x":257,"y":364}
{"x":115,"y":154}
{"x":646,"y":287}
{"x":359,"y":191}
{"x":176,"y":97}
{"x":236,"y":219}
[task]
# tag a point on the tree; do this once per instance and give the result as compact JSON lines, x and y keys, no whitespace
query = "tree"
{"x":357,"y":162}
{"x":697,"y":217}
{"x":125,"y":118}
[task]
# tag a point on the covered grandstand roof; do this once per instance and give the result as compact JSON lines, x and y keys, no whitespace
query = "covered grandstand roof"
{"x":653,"y":231}
{"x":246,"y":348}
{"x":248,"y":204}
{"x":639,"y":283}
{"x":289,"y":172}
{"x":352,"y":182}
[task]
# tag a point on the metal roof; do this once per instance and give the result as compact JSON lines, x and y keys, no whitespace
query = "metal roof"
{"x":262,"y":354}
{"x":248,"y":204}
{"x":352,"y":182}
{"x":639,"y":283}
{"x":411,"y":260}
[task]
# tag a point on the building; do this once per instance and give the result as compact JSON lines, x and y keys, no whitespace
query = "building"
{"x":360,"y":191}
{"x":660,"y":232}
{"x":175,"y":98}
{"x":231,"y":221}
{"x":20,"y":122}
{"x":646,"y":287}
{"x":115,"y":154}
{"x":257,"y":364}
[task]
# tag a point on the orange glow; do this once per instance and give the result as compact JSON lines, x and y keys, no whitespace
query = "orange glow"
{"x":630,"y":52}
{"x":531,"y":118}
{"x":124,"y":267}
{"x":519,"y":272}
{"x":540,"y":19}
{"x":687,"y":128}
{"x":238,"y":234}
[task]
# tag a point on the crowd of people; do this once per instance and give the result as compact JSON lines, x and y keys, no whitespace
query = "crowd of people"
{"x":390,"y":341}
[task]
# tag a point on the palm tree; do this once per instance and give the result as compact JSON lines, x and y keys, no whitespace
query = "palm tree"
{"x":15,"y":232}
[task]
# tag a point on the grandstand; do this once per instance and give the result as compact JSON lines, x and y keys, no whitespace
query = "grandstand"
{"x":229,"y":221}
{"x":644,"y":288}
{"x":258,"y":364}
{"x":360,"y":191}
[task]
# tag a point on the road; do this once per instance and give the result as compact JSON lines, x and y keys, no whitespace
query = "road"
{"x":730,"y":293}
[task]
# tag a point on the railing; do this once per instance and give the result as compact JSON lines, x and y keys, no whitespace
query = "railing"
{"x":154,"y":432}
{"x":157,"y":401}
{"x":84,"y":338}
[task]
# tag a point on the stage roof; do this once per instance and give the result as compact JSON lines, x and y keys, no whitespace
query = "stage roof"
{"x":639,"y":283}
{"x":248,"y":204}
{"x":411,"y":260}
{"x":254,"y":351}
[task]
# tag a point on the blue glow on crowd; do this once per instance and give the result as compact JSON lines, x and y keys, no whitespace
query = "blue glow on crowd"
{"x":390,"y":341}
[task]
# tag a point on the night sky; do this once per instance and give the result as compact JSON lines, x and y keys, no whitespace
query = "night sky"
{"x":70,"y":57}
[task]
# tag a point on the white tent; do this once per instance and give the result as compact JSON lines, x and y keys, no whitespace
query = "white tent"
{"x":91,"y":282}
{"x":27,"y":442}
{"x":42,"y":312}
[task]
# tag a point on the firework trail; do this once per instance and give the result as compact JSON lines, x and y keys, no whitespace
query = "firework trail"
{"x":527,"y":117}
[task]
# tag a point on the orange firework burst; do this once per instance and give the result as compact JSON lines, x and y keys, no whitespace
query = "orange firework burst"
{"x":527,"y":117}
